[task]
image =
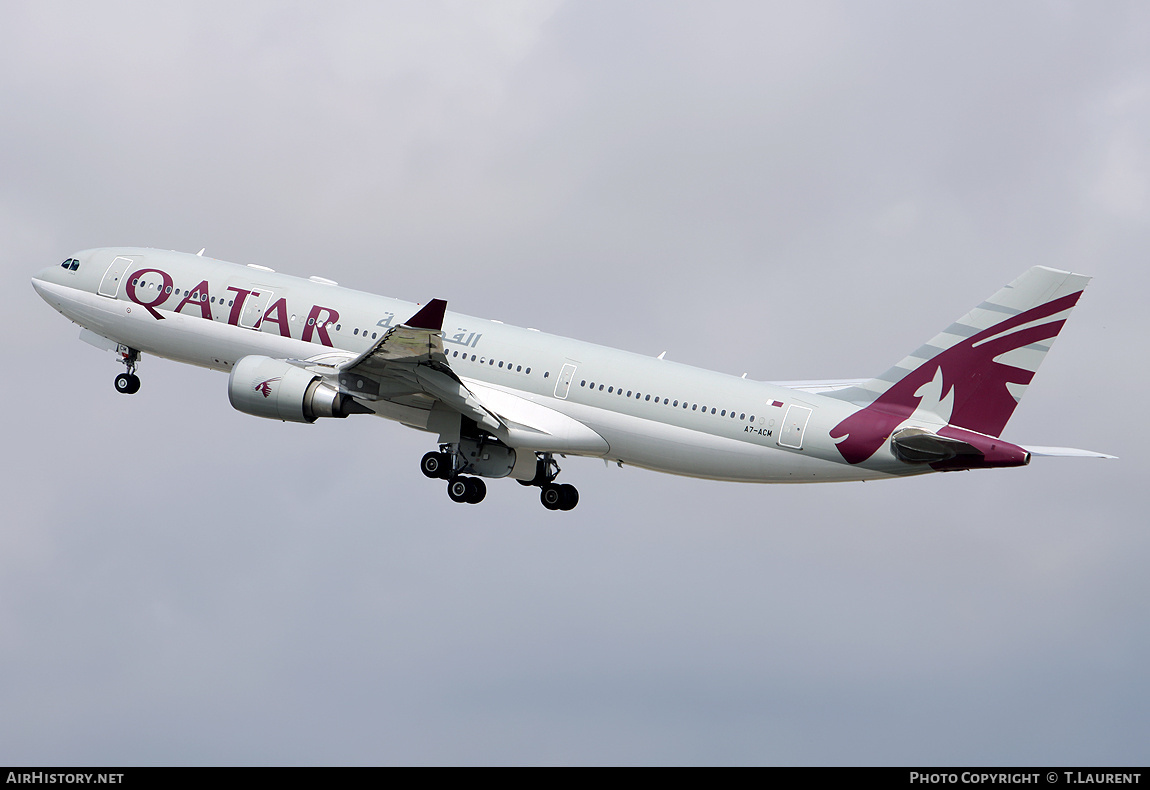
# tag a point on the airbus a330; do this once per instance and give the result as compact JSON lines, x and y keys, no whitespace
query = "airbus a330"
{"x":506,"y":402}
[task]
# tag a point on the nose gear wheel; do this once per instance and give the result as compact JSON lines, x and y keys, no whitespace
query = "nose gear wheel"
{"x":129,"y":383}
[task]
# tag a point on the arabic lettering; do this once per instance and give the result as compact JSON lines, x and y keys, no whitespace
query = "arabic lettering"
{"x":462,"y":338}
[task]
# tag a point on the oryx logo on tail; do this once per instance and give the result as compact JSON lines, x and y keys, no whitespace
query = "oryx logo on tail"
{"x":974,"y":372}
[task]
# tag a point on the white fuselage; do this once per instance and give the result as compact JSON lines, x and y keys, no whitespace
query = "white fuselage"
{"x":630,"y":408}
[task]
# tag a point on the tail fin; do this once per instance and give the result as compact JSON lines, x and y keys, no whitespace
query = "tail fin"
{"x":979,"y":366}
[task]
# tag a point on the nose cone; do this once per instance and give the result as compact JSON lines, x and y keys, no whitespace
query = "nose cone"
{"x":48,"y":280}
{"x":48,"y":274}
{"x":42,"y":278}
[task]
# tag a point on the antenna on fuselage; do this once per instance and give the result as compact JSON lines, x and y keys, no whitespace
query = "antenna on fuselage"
{"x":662,"y":355}
{"x":201,"y":252}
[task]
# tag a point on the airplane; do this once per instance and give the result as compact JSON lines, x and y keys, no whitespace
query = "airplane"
{"x":505,"y":402}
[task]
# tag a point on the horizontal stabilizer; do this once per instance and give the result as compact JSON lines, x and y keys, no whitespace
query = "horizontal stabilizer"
{"x":1065,"y":452}
{"x":820,"y":387}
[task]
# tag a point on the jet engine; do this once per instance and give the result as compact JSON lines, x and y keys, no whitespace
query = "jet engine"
{"x":279,"y":390}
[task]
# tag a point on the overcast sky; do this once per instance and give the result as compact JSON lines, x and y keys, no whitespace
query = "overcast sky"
{"x":799,"y":190}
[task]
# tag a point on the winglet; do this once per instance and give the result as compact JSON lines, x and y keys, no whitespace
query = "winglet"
{"x":429,"y":317}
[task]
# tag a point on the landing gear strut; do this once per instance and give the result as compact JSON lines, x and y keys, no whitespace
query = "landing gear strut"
{"x":129,"y":383}
{"x":554,"y":496}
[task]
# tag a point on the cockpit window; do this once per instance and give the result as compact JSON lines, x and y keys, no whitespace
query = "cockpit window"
{"x":72,"y":264}
{"x":75,"y":264}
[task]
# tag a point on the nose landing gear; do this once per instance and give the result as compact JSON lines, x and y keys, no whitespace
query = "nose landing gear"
{"x":129,"y":383}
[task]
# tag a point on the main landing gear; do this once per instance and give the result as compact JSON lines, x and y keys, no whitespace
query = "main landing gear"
{"x":554,"y":496}
{"x":469,"y":490}
{"x":129,"y":383}
{"x":446,"y":465}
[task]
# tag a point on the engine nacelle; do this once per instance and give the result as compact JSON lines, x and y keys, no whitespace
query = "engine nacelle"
{"x":278,"y":390}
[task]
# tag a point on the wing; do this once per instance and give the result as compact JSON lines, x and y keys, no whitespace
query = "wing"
{"x":407,"y":367}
